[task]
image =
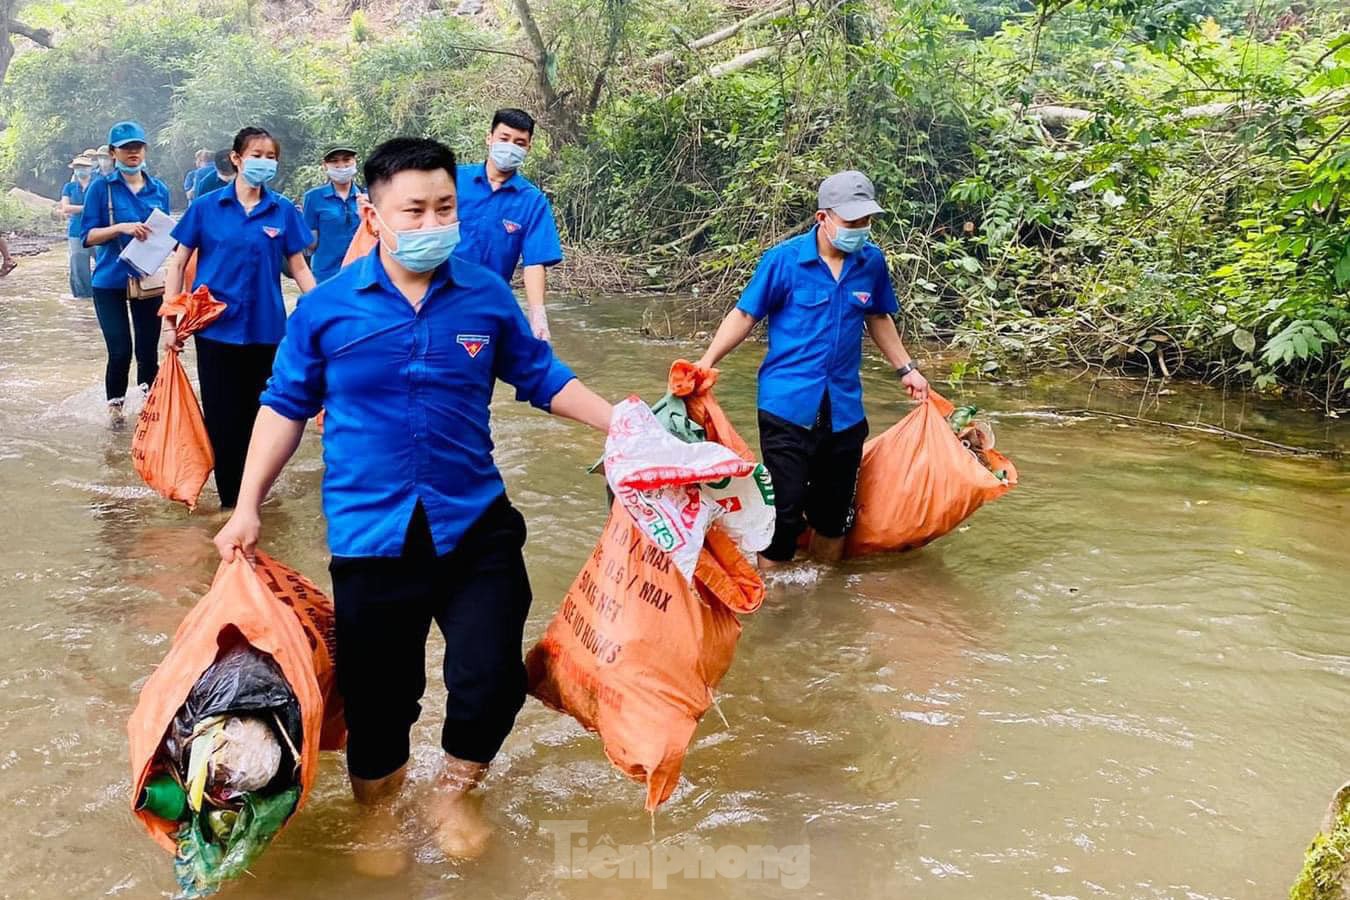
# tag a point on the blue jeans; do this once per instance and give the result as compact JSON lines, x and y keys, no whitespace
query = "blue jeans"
{"x":117,"y":318}
{"x":81,"y":269}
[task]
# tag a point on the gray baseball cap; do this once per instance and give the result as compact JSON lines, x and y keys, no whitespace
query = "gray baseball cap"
{"x":850,"y":194}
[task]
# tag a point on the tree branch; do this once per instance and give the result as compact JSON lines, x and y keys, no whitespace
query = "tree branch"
{"x":40,"y":36}
{"x":735,"y":64}
{"x":716,"y":37}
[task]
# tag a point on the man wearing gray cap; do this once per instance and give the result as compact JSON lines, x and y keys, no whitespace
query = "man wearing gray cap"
{"x":818,"y":291}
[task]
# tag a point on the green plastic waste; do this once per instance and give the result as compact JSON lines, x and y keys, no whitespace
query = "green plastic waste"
{"x":203,"y":865}
{"x":962,"y":416}
{"x":164,"y":797}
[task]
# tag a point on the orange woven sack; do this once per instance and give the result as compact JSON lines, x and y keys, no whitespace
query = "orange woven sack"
{"x":694,"y":385}
{"x":917,"y":482}
{"x":277,"y":612}
{"x":170,"y":449}
{"x":635,"y":651}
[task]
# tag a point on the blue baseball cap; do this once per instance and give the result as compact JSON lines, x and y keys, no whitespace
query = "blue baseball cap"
{"x":126,"y":133}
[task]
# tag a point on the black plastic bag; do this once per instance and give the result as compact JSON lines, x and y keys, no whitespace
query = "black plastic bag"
{"x":241,"y":680}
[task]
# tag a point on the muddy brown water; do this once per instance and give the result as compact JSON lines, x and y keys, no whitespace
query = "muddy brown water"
{"x":1125,"y":679}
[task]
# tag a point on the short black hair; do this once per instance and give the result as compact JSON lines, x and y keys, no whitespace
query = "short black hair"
{"x":511,"y":117}
{"x":407,"y":154}
{"x":224,"y":164}
{"x":252,"y":133}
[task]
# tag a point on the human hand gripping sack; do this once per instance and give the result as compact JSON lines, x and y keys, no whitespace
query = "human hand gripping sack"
{"x":239,"y":536}
{"x":916,"y":385}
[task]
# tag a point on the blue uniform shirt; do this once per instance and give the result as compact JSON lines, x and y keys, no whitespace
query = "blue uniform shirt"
{"x":509,"y":226}
{"x":75,"y":194}
{"x":191,"y":178}
{"x":110,"y":272}
{"x":207,"y":182}
{"x":239,"y":258}
{"x":406,"y":397}
{"x":335,"y":220}
{"x":815,"y":328}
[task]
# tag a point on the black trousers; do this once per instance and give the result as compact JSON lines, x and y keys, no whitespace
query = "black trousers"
{"x":232,"y":378}
{"x":815,"y":475}
{"x":118,"y":319}
{"x":478,"y":595}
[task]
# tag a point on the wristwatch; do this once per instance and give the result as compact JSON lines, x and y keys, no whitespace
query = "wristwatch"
{"x":908,"y":367}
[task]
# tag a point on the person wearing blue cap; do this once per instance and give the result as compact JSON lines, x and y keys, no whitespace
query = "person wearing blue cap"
{"x":332,"y":212}
{"x":242,"y":234}
{"x":115,"y":209}
{"x":506,"y":221}
{"x":819,"y":291}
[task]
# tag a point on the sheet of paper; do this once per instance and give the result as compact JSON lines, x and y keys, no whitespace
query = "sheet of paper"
{"x":148,"y":256}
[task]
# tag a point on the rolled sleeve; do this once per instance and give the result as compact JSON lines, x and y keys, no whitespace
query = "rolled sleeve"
{"x":542,"y":246}
{"x":762,"y":295}
{"x":296,"y":388}
{"x":95,"y":209}
{"x":528,"y":364}
{"x":188,"y":231}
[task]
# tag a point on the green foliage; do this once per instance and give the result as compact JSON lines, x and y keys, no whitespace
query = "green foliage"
{"x":243,"y":81}
{"x":107,"y":67}
{"x":1325,"y":862}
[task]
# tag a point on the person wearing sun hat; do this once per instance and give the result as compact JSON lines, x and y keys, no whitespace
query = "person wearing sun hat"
{"x":72,"y":207}
{"x":819,"y":291}
{"x":103,"y":160}
{"x":115,"y":209}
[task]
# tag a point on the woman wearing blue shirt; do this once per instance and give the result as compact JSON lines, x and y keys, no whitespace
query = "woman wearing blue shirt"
{"x":115,"y":209}
{"x":242,"y":234}
{"x":72,"y":206}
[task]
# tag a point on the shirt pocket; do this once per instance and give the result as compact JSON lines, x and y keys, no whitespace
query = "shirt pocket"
{"x":808,"y":315}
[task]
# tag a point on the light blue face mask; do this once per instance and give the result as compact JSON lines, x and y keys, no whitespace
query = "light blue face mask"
{"x":258,"y":170}
{"x":127,"y":169}
{"x":507,"y":156}
{"x":850,"y":240}
{"x":423,"y":249}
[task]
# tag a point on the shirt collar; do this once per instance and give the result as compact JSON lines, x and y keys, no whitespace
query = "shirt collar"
{"x":809,"y":252}
{"x":227,"y":196}
{"x":330,"y":190}
{"x":372,"y":276}
{"x":513,"y":183}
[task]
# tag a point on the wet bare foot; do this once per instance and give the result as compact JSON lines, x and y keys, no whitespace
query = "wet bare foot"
{"x":461,"y":830}
{"x":380,"y":851}
{"x":9,"y":266}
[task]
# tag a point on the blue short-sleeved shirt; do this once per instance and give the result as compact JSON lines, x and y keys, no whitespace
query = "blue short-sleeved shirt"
{"x":111,"y":273}
{"x":191,"y":178}
{"x":239,"y":258}
{"x":406,"y":397}
{"x":335,"y":220}
{"x":74,"y":192}
{"x":815,"y":328}
{"x":506,"y":227}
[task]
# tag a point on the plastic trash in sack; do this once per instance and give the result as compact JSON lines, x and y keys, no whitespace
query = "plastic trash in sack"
{"x":238,"y":702}
{"x":170,"y":449}
{"x":658,"y":479}
{"x":637,"y":646}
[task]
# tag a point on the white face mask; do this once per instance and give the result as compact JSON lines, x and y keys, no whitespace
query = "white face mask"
{"x":342,"y":174}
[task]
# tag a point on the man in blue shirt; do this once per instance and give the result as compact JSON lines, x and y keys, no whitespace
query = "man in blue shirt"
{"x":818,"y":291}
{"x":202,"y":161}
{"x":505,"y":220}
{"x":402,"y":349}
{"x":216,"y":176}
{"x":332,"y":213}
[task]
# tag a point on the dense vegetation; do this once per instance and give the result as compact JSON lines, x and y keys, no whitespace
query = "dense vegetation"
{"x":1158,"y":185}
